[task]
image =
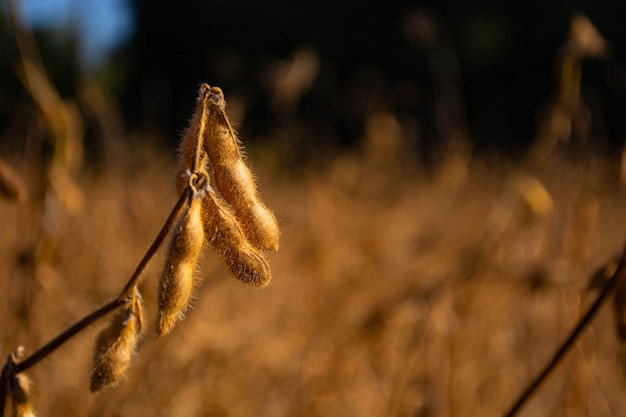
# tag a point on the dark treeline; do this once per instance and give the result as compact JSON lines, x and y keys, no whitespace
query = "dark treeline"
{"x":484,"y":67}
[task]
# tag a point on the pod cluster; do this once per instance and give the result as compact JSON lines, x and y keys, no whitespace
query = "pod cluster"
{"x":231,"y":217}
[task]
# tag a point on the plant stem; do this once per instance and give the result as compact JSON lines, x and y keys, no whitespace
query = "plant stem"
{"x":92,"y":317}
{"x":181,"y":205}
{"x":618,"y":276}
{"x":67,"y":334}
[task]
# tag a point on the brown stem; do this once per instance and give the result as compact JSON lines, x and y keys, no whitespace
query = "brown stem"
{"x":618,"y":276}
{"x":92,"y":317}
{"x":181,"y":205}
{"x":67,"y":334}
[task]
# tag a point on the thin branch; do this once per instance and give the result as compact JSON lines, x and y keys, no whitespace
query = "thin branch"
{"x":181,"y":205}
{"x":92,"y":317}
{"x":618,"y":276}
{"x":67,"y":334}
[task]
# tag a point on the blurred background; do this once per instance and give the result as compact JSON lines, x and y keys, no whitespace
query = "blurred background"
{"x":310,"y":75}
{"x":447,"y":176}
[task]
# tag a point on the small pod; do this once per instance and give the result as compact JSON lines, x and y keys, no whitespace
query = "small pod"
{"x":234,"y":179}
{"x":224,"y":233}
{"x":115,"y":346}
{"x":236,"y":184}
{"x":19,"y":389}
{"x":177,"y":281}
{"x":190,"y":145}
{"x":220,"y":141}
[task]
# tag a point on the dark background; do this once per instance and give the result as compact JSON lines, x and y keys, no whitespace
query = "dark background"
{"x":490,"y":64}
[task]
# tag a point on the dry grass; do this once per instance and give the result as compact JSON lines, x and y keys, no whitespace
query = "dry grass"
{"x":394,"y":293}
{"x":387,"y":297}
{"x":238,"y":237}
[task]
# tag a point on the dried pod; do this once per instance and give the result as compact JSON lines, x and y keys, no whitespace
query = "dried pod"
{"x":177,"y":282}
{"x":585,"y":40}
{"x":19,"y":389}
{"x":115,"y":346}
{"x":234,"y":179}
{"x":220,"y":142}
{"x":237,"y":186}
{"x":192,"y":143}
{"x":224,"y":233}
{"x":11,"y":185}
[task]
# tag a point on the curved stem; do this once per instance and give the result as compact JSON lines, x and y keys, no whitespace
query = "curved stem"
{"x":67,"y":334}
{"x":181,"y":205}
{"x":123,"y":297}
{"x":618,"y":276}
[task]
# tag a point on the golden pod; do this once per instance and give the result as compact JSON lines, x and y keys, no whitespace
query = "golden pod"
{"x":19,"y":389}
{"x":115,"y":346}
{"x":191,"y":143}
{"x":177,"y":281}
{"x":237,"y":186}
{"x":220,"y":140}
{"x":224,"y":233}
{"x":234,"y":179}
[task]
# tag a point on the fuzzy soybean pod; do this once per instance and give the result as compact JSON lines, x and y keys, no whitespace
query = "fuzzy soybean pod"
{"x":115,"y":346}
{"x":234,"y":179}
{"x":19,"y":388}
{"x":224,"y":233}
{"x":177,"y":281}
{"x":237,"y":186}
{"x":191,"y":155}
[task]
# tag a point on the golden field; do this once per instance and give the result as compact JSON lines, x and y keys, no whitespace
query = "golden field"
{"x":394,"y":292}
